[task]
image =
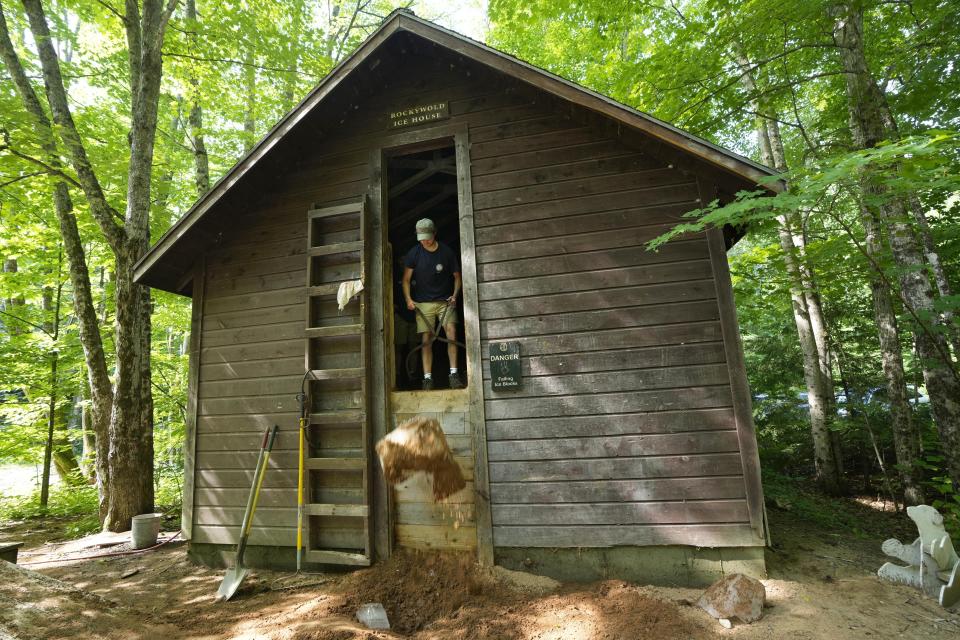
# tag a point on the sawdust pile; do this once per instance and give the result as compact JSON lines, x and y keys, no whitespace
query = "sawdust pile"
{"x":429,"y":595}
{"x":418,"y":588}
{"x":420,"y":445}
{"x":36,"y":607}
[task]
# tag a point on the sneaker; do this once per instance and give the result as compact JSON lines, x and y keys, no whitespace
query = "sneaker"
{"x":455,"y":381}
{"x":428,"y":384}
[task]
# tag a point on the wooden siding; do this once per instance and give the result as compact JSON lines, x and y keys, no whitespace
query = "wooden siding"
{"x":623,"y":432}
{"x":420,"y":522}
{"x":253,"y":323}
{"x":251,"y":362}
{"x":626,"y":416}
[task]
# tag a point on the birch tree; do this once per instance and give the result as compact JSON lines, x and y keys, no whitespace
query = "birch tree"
{"x":96,"y":363}
{"x":872,"y":122}
{"x":123,"y":411}
{"x":807,"y":310}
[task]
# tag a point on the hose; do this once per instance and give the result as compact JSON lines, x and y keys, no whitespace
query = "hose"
{"x":105,"y":555}
{"x":434,"y":336}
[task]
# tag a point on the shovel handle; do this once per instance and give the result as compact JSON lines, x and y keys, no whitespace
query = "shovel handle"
{"x":255,"y":491}
{"x":273,"y":438}
{"x":263,"y":472}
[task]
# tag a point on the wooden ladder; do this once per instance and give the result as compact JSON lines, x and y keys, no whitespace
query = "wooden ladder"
{"x":337,"y":463}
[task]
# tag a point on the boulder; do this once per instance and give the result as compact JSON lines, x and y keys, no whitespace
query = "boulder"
{"x":734,"y":596}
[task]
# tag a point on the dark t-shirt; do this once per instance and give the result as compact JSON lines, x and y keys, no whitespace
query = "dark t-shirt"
{"x":432,"y":272}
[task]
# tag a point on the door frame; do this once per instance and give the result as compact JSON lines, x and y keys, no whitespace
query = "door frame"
{"x":424,"y":138}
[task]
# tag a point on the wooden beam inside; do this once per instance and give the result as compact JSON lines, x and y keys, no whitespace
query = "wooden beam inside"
{"x":426,"y":205}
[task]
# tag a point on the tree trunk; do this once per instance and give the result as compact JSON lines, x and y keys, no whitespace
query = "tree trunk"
{"x":65,"y":461}
{"x":293,"y":51}
{"x":939,"y":275}
{"x":52,"y":327}
{"x":201,"y":162}
{"x":88,"y":456}
{"x":870,"y":123}
{"x":906,"y":437}
{"x":89,"y":328}
{"x":13,"y":326}
{"x":855,"y":407}
{"x":129,"y":473}
{"x":807,"y":315}
{"x":250,"y":97}
{"x":819,"y":387}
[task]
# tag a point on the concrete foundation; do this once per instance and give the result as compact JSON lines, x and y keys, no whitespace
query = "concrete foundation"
{"x":255,"y":557}
{"x":676,"y":566}
{"x":667,"y":566}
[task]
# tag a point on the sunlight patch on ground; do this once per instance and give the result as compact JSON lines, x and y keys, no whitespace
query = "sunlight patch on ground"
{"x":877,"y":504}
{"x":574,"y":622}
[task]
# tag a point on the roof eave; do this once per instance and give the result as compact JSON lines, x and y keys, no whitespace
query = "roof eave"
{"x":260,"y":149}
{"x":723,"y":159}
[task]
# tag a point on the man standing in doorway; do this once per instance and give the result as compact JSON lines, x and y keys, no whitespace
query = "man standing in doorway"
{"x":432,"y":270}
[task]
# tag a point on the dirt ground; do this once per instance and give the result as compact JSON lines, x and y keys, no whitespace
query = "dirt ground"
{"x":821,"y":585}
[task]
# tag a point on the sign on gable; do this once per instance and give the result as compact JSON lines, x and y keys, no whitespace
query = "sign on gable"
{"x":420,"y":114}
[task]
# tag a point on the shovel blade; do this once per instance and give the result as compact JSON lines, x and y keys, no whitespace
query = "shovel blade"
{"x":231,"y":582}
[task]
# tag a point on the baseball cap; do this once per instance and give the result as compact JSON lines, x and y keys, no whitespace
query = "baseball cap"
{"x":425,"y":229}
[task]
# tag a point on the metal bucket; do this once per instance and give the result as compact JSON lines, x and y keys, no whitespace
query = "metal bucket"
{"x":144,"y":529}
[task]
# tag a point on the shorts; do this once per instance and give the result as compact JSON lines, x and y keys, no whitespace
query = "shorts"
{"x":428,"y":312}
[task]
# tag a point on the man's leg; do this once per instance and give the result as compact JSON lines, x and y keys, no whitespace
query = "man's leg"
{"x":426,"y":318}
{"x":426,"y":353}
{"x":456,"y":382}
{"x":451,"y":331}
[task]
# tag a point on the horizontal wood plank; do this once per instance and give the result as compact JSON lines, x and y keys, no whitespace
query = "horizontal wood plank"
{"x":616,"y":359}
{"x":261,"y":300}
{"x":265,"y":350}
{"x":586,"y":240}
{"x":696,"y":442}
{"x":321,"y":556}
{"x":344,"y":510}
{"x":255,"y":284}
{"x":667,"y":209}
{"x":535,"y":284}
{"x":440,"y":515}
{"x":418,"y":536}
{"x":600,"y":403}
{"x":618,"y":491}
{"x":583,"y":186}
{"x":232,"y":516}
{"x":628,"y":513}
{"x":563,"y":169}
{"x":695,"y":535}
{"x":599,"y":298}
{"x":257,"y":369}
{"x":614,"y":381}
{"x":616,"y":318}
{"x":511,"y":163}
{"x":713,"y":464}
{"x":418,"y":488}
{"x":254,"y":334}
{"x":551,"y":139}
{"x":253,"y":317}
{"x":243,"y":478}
{"x":633,"y":337}
{"x":228,"y":269}
{"x":680,"y":421}
{"x":585,"y":261}
{"x":230,"y":535}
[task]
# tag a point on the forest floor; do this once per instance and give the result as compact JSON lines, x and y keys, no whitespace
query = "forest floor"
{"x":822,"y":584}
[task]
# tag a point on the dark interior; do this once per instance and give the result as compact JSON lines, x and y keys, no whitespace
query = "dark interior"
{"x":422,"y":184}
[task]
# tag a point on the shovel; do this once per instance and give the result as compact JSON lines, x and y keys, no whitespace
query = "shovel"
{"x":233,"y":578}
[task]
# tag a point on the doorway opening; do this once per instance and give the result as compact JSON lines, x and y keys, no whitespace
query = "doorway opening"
{"x":421,"y":184}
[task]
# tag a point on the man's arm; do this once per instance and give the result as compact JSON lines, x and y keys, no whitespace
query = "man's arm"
{"x":407,"y":275}
{"x":457,"y":284}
